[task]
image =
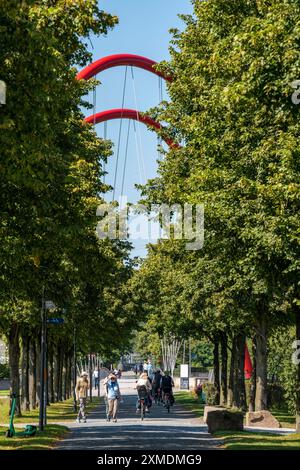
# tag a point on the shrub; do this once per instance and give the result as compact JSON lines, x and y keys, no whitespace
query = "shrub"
{"x":275,"y":396}
{"x":4,"y":371}
{"x":197,"y":393}
{"x":210,"y":392}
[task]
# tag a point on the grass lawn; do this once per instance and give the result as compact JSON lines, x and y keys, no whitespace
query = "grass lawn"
{"x":61,"y":411}
{"x":247,"y":440}
{"x":286,"y":419}
{"x":187,"y":400}
{"x":258,"y":441}
{"x":4,"y":393}
{"x":41,"y":441}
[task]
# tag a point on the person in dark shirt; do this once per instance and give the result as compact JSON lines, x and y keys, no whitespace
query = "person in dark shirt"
{"x":156,"y":383}
{"x":166,"y":386}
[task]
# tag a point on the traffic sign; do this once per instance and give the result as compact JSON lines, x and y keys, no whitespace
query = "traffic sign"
{"x":56,"y":321}
{"x":49,"y":305}
{"x":184,"y":383}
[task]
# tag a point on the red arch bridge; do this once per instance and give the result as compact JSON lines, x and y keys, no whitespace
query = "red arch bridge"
{"x":124,"y":60}
{"x":149,"y":65}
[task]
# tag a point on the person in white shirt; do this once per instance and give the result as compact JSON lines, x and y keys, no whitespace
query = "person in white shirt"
{"x":144,"y":382}
{"x":96,"y":378}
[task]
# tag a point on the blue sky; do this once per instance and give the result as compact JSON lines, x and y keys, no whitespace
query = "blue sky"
{"x":143,"y":29}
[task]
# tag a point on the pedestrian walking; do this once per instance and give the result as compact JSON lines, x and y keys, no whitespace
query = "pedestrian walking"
{"x":96,"y":378}
{"x":113,"y":396}
{"x":82,"y":387}
{"x":148,"y":367}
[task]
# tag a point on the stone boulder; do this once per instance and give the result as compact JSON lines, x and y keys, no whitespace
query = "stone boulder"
{"x":262,"y":419}
{"x":222,"y":419}
{"x":208,"y":408}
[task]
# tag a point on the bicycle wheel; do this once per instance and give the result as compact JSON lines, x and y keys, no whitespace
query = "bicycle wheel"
{"x":167,"y":403}
{"x":142,"y":410}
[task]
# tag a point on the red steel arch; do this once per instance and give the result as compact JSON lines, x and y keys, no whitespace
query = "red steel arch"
{"x":128,"y":114}
{"x":118,"y":60}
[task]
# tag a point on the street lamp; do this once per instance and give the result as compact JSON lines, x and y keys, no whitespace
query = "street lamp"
{"x":2,"y":92}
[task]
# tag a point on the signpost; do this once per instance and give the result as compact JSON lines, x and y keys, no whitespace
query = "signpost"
{"x":49,"y":305}
{"x":55,"y":321}
{"x":46,"y":305}
{"x":184,"y":377}
{"x":43,"y":378}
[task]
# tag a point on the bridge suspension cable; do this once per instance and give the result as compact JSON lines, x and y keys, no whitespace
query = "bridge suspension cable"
{"x":119,"y":137}
{"x":141,"y":154}
{"x":105,"y":138}
{"x":125,"y":159}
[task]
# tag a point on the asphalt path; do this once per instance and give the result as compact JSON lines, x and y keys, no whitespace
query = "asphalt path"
{"x":160,"y":430}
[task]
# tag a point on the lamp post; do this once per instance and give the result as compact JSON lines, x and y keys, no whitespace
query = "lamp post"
{"x":42,"y":365}
{"x":46,"y":305}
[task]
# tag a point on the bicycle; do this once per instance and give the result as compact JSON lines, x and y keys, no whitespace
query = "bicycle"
{"x":167,"y":401}
{"x":157,"y":397}
{"x":142,"y":397}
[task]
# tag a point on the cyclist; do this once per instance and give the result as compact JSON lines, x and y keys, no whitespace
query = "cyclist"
{"x":144,"y":383}
{"x":156,"y":383}
{"x":166,"y":385}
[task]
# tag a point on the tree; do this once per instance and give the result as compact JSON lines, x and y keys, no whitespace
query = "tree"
{"x":230,"y":106}
{"x":50,"y":173}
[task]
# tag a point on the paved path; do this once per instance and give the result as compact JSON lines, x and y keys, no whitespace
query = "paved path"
{"x":179,"y":430}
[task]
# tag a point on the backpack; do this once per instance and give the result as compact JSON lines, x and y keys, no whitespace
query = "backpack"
{"x":142,"y":391}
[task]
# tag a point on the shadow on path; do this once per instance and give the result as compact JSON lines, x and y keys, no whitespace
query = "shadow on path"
{"x":177,"y":430}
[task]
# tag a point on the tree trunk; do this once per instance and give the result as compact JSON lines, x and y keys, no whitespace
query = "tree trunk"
{"x":217,"y":370}
{"x":224,"y":358}
{"x":91,"y":373}
{"x":253,"y":378}
{"x":239,"y":391}
{"x":297,"y":314}
{"x":51,"y":374}
{"x":25,"y":400}
{"x":71,"y":374}
{"x":231,"y":376}
{"x":56,"y":373}
{"x":241,"y":341}
{"x":59,"y":372}
{"x":261,"y":365}
{"x":68,"y":374}
{"x":64,"y":373}
{"x":46,"y":385}
{"x":38,"y":369}
{"x":32,"y":374}
{"x":14,"y":360}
